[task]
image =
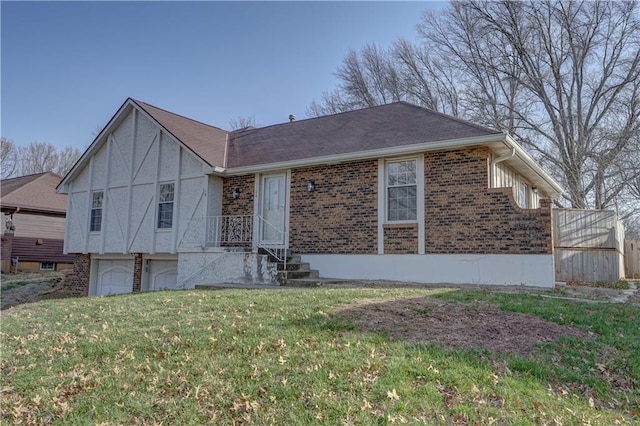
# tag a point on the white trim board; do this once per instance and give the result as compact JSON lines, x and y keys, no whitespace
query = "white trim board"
{"x":535,"y":270}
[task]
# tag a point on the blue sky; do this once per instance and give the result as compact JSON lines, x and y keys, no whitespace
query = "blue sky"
{"x":67,"y":66}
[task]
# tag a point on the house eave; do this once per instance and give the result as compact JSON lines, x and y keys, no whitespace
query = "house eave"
{"x":536,"y":174}
{"x":369,"y":154}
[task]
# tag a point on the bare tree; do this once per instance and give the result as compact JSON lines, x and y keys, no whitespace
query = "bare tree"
{"x":8,"y":158}
{"x":242,"y":122}
{"x":562,"y":76}
{"x":37,"y":157}
{"x":367,"y":78}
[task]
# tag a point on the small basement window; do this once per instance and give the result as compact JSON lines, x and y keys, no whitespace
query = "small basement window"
{"x":47,"y":266}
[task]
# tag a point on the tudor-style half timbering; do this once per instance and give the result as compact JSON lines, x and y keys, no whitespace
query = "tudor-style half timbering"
{"x":137,"y":173}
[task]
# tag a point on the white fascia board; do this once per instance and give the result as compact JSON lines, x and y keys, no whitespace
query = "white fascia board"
{"x":367,"y":155}
{"x":555,"y":187}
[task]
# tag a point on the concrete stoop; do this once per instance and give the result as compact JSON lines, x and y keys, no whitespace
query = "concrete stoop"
{"x":295,"y":273}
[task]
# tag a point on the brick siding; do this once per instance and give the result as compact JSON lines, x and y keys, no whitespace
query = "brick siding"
{"x":244,"y":204}
{"x":137,"y":272}
{"x":77,"y":282}
{"x":341,"y":215}
{"x":462,"y":215}
{"x":400,"y":239}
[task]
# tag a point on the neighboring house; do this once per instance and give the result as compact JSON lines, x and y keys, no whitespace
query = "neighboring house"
{"x":393,"y":192}
{"x":33,"y":225}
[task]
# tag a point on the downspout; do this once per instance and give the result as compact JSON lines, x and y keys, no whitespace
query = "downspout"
{"x":499,"y":160}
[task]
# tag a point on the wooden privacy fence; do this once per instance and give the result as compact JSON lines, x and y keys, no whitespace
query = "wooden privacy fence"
{"x":632,"y":258}
{"x":588,"y":245}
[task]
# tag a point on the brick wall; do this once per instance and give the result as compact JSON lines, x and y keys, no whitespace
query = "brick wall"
{"x":77,"y":282}
{"x":137,"y":272}
{"x":400,"y":239}
{"x":462,"y":215}
{"x":341,"y":215}
{"x":244,"y":204}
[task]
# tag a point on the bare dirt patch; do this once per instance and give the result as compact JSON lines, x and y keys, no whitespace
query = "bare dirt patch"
{"x":457,"y":325}
{"x":22,"y":288}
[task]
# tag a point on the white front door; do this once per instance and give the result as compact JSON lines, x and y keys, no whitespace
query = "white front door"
{"x":273,"y":209}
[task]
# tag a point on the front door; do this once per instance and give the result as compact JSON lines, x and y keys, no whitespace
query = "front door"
{"x":273,"y":209}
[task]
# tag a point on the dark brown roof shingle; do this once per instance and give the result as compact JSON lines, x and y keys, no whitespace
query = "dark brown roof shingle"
{"x":385,"y":126}
{"x":207,"y":142}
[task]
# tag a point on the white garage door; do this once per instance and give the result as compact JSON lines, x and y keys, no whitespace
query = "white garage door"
{"x":114,"y":277}
{"x":163,"y":274}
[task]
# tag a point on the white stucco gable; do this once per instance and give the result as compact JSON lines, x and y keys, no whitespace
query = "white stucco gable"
{"x":126,"y":165}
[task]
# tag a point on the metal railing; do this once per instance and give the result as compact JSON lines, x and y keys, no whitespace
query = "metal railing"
{"x":219,"y":231}
{"x":275,"y":244}
{"x":235,"y":231}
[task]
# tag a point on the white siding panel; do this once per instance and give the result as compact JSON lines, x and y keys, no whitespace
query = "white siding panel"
{"x":214,"y":196}
{"x":116,"y":220}
{"x":100,"y":168}
{"x":81,"y":182}
{"x":168,"y":160}
{"x":77,"y":221}
{"x":124,"y":133}
{"x":119,"y":165}
{"x":191,"y":166}
{"x":142,"y":217}
{"x":146,"y":152}
{"x":95,"y":242}
{"x":164,"y":241}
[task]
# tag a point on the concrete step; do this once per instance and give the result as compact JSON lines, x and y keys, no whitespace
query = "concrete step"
{"x":284,"y":276}
{"x":291,"y":266}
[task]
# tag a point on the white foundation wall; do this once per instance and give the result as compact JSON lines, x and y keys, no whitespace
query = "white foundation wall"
{"x":214,"y":266}
{"x":490,"y":269}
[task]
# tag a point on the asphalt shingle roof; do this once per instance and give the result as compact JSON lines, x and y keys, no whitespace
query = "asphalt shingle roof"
{"x":385,"y":126}
{"x":34,"y":192}
{"x":207,"y":142}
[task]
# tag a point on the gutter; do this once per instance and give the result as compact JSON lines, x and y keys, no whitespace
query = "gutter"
{"x":524,"y":156}
{"x":500,"y":160}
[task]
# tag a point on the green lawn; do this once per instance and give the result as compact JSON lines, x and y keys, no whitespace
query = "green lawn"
{"x":283,"y":357}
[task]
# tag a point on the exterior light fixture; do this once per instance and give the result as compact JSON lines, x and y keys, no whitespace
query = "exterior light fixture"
{"x":311,"y":185}
{"x":236,"y":194}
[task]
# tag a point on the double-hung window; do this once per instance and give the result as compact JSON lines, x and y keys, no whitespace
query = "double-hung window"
{"x":95,"y":224}
{"x":165,"y":206}
{"x":401,"y":190}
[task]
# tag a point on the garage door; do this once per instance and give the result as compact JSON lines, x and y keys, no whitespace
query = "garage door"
{"x":163,"y":274}
{"x":114,"y":277}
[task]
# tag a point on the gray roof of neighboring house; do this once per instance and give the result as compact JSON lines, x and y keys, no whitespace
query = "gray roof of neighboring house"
{"x":33,"y":192}
{"x":385,"y":126}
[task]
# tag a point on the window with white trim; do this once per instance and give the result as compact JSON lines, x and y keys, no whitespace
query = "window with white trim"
{"x":165,"y":206}
{"x":95,"y":224}
{"x":401,"y":190}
